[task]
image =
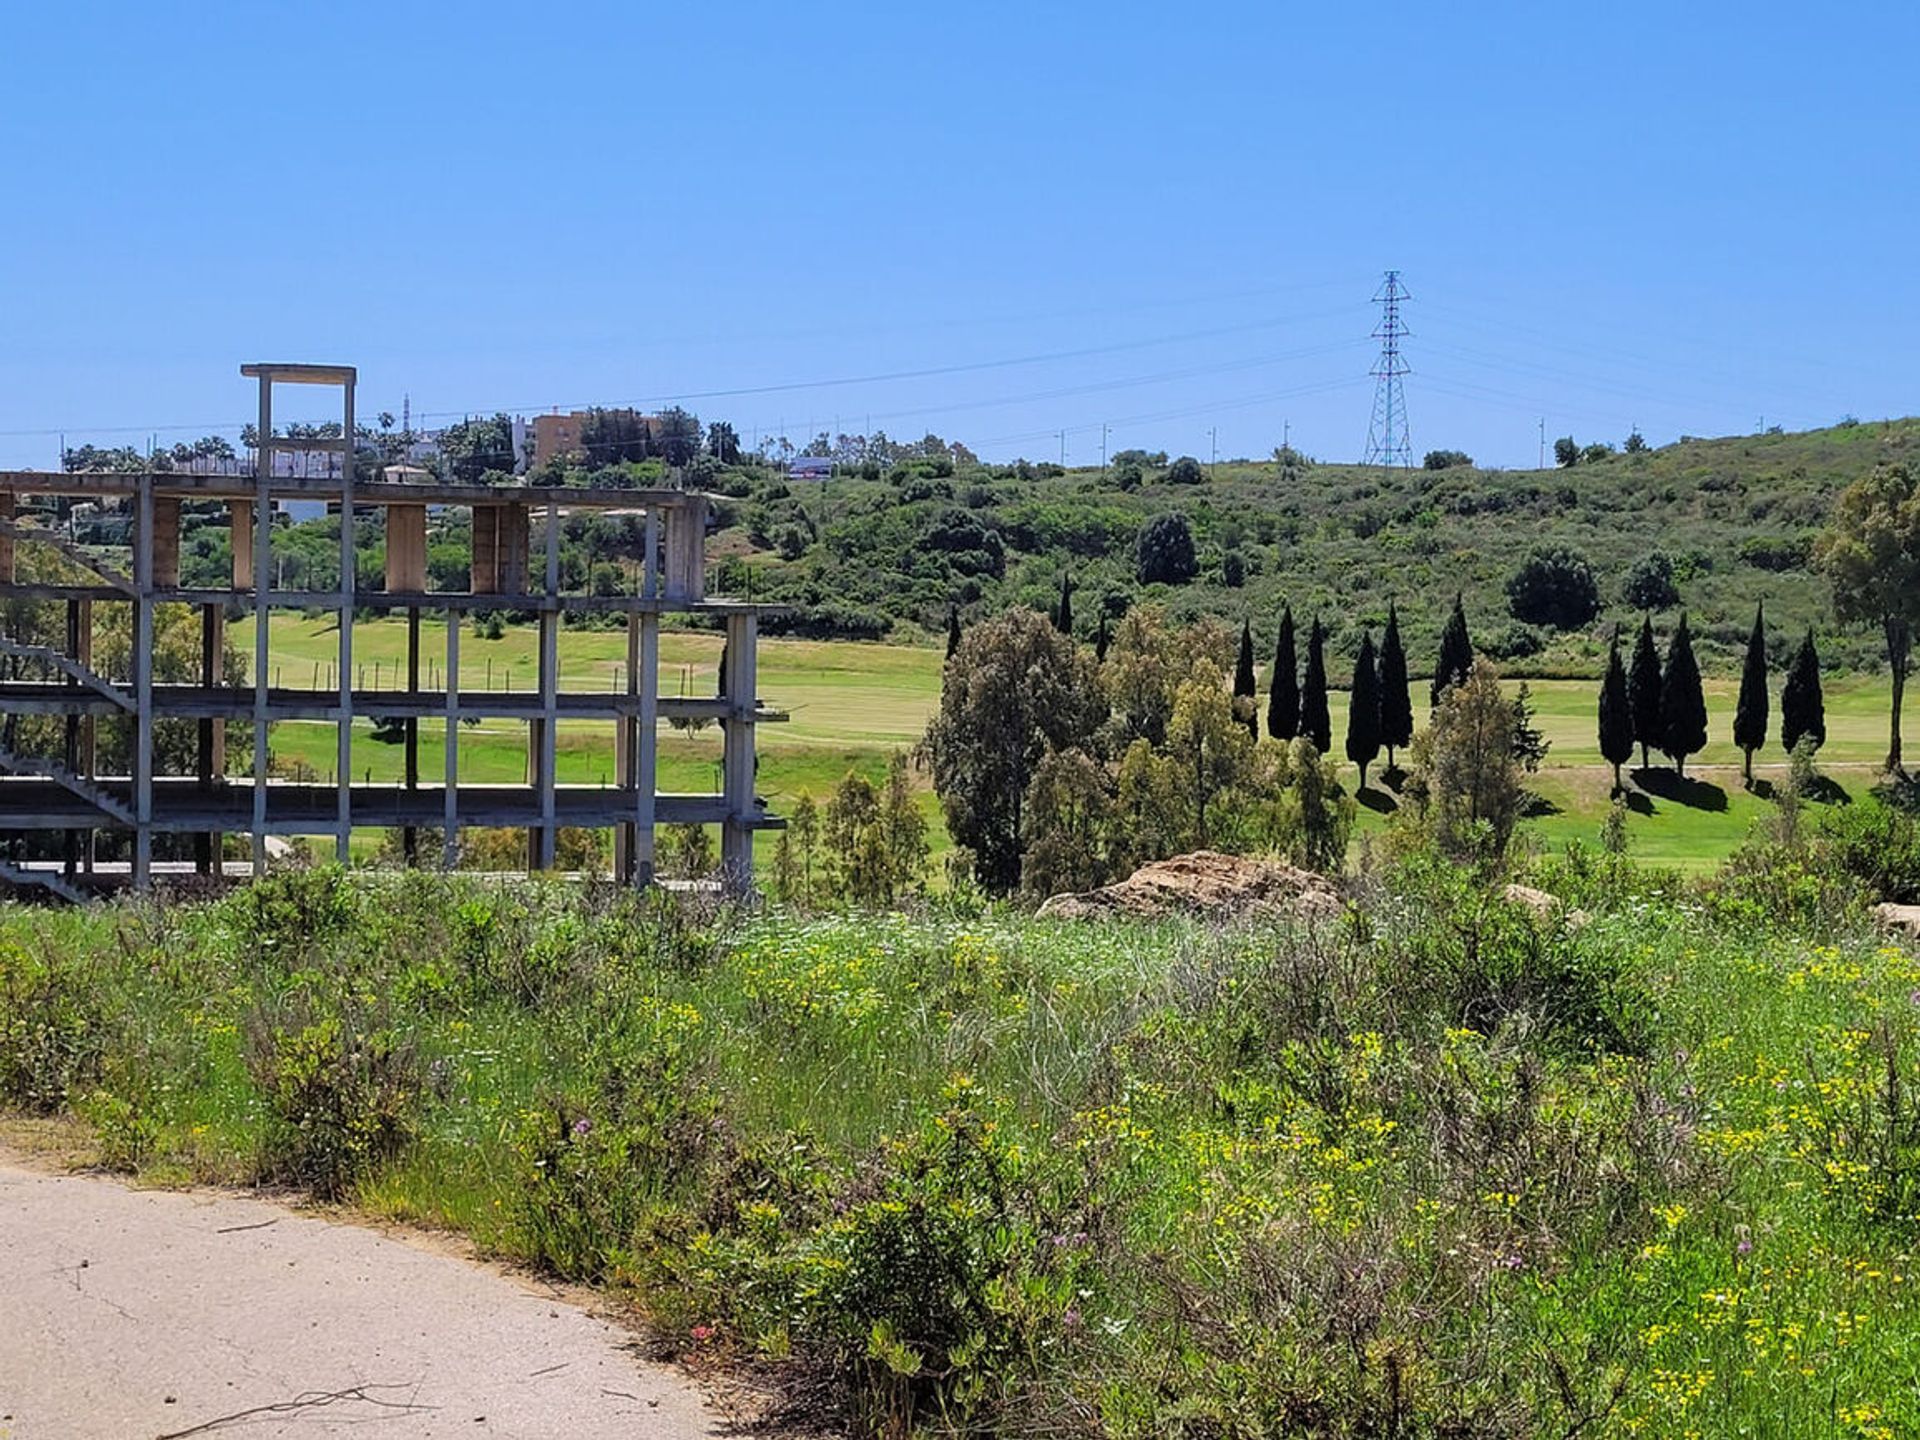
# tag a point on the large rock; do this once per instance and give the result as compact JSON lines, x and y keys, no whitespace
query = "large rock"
{"x":1545,"y":906}
{"x":1902,"y":919}
{"x":1206,"y":883}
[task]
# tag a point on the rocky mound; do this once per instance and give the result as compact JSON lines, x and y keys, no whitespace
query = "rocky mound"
{"x":1901,"y":919}
{"x":1206,"y":883}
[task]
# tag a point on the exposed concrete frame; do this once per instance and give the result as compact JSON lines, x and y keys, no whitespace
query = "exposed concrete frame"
{"x":672,"y":580}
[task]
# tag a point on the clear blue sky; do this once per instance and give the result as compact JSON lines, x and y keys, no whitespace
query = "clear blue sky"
{"x":1680,"y":217}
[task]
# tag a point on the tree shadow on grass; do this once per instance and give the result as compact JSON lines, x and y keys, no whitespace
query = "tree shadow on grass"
{"x":1681,"y":789}
{"x":1377,"y":800}
{"x":1762,"y":790}
{"x":1535,"y":806}
{"x":1638,"y":803}
{"x":1825,"y":790}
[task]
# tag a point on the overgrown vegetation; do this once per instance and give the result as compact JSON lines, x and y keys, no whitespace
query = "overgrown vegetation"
{"x":1449,"y":1165}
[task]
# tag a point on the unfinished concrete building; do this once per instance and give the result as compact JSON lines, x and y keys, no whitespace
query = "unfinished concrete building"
{"x":516,"y":531}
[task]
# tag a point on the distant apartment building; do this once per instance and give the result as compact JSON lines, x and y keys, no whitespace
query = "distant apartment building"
{"x":556,"y":435}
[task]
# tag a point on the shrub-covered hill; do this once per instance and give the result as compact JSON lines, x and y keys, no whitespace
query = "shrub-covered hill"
{"x":1735,"y":519}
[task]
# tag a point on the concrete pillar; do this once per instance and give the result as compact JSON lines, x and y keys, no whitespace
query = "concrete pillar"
{"x":6,"y":541}
{"x":212,"y":754}
{"x":166,"y":541}
{"x":646,"y":748}
{"x":240,"y":539}
{"x":143,"y":685}
{"x":450,"y":821}
{"x":742,"y":680}
{"x":344,"y":822}
{"x":406,"y":548}
{"x":483,"y":577}
{"x":687,"y":550}
{"x":513,"y":549}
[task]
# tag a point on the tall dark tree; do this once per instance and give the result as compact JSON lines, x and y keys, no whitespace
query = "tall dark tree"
{"x":1283,"y":696}
{"x":1063,"y":612}
{"x":1315,"y":723}
{"x":953,"y":630}
{"x":1456,"y":652}
{"x":1101,"y":638}
{"x":1871,"y":553}
{"x":1683,"y":704}
{"x":1616,"y":715}
{"x":1016,"y":689}
{"x":1244,"y":689}
{"x":1803,"y":706}
{"x":1396,"y":700}
{"x":1363,"y":710}
{"x":1643,"y":691}
{"x":1750,"y":714}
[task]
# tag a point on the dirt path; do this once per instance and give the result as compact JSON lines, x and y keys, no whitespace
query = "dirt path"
{"x":129,"y":1313}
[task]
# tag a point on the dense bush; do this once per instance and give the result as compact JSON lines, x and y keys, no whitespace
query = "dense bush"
{"x":1164,"y":553}
{"x":1877,"y":845}
{"x":52,"y":1028}
{"x":1649,"y":584}
{"x":1555,"y":588}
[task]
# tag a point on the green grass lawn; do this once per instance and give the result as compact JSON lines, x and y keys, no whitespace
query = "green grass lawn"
{"x":853,"y":704}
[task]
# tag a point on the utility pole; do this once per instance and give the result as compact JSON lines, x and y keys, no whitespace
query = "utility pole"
{"x":1063,"y":449}
{"x":1213,"y":452}
{"x":1104,"y":428}
{"x":1388,"y":440}
{"x":1543,"y":442}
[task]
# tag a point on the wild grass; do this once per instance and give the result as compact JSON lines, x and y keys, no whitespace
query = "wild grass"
{"x":1442,"y":1167}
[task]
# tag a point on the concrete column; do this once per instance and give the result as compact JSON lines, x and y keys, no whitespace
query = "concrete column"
{"x":409,"y":837}
{"x":240,"y":541}
{"x":84,"y":763}
{"x":344,"y":822}
{"x":212,"y":754}
{"x":260,"y":576}
{"x":406,"y":548}
{"x":143,"y":686}
{"x":483,"y":575}
{"x":625,"y":745}
{"x":548,"y":748}
{"x":687,"y":550}
{"x":166,"y":541}
{"x":6,"y":541}
{"x":513,"y":549}
{"x":742,"y":680}
{"x":451,"y":820}
{"x":646,"y":748}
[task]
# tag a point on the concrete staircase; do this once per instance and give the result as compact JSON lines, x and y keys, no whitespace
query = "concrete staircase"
{"x":38,"y":535}
{"x":69,"y":666}
{"x":78,"y":785}
{"x":51,"y":880}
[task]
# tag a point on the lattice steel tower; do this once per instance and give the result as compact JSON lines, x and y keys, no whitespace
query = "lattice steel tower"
{"x":1388,"y":441}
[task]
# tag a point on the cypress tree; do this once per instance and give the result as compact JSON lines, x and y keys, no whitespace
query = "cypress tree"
{"x":1803,"y":708}
{"x":1683,"y":705}
{"x":1396,"y":702}
{"x":953,"y":630}
{"x":1243,"y":682}
{"x":1100,"y":640}
{"x":1283,"y":699}
{"x":1616,"y":716}
{"x":1363,"y":711}
{"x":1456,"y":652}
{"x":1750,"y":715}
{"x":1315,"y":723}
{"x":1643,"y":691}
{"x":1063,"y":613}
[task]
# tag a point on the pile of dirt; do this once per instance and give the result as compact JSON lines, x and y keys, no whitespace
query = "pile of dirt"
{"x":1205,"y":883}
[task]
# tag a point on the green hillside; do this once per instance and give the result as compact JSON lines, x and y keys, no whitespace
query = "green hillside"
{"x":1735,"y":517}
